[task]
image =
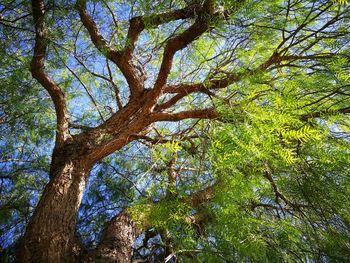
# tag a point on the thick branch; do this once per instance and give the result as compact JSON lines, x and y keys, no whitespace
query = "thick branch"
{"x":37,"y":68}
{"x":176,"y":43}
{"x":117,"y":131}
{"x":117,"y":240}
{"x":130,"y":73}
{"x":139,"y":23}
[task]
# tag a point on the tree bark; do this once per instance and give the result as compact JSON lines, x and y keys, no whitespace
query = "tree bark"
{"x":117,"y":241}
{"x":50,"y":235}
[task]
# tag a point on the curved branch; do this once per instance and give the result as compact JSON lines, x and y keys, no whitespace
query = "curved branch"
{"x":84,"y":86}
{"x":139,"y":23}
{"x":37,"y":69}
{"x":175,"y":44}
{"x":130,"y":73}
{"x":181,"y":91}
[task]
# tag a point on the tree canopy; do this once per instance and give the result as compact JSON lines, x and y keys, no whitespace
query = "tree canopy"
{"x":175,"y":131}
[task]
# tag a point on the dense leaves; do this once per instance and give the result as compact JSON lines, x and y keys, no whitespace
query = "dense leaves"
{"x":267,"y":181}
{"x":286,"y":181}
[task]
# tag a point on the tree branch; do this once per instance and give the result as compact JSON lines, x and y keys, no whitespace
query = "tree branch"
{"x":174,"y":44}
{"x":202,"y":196}
{"x":318,"y":114}
{"x":139,"y":23}
{"x":135,"y":81}
{"x":181,"y":91}
{"x":37,"y":69}
{"x":117,"y":240}
{"x":84,"y":86}
{"x":209,"y":113}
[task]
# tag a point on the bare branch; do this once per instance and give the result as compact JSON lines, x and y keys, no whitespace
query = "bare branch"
{"x":37,"y":68}
{"x":130,"y":73}
{"x":139,"y":23}
{"x":118,"y":98}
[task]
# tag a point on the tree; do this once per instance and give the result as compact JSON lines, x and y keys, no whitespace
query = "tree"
{"x":213,"y":130}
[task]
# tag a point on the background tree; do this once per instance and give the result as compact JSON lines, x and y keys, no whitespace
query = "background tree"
{"x":125,"y":90}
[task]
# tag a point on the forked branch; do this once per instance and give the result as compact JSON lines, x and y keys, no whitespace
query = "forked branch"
{"x":139,"y":23}
{"x":179,"y":42}
{"x":131,"y":75}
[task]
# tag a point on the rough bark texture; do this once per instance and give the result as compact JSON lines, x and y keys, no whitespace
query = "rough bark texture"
{"x":117,"y":241}
{"x":50,"y":235}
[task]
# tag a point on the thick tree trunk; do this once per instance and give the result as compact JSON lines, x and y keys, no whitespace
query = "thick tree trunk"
{"x":50,"y":235}
{"x":117,"y":241}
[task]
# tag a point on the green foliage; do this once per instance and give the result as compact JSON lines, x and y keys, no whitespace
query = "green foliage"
{"x":167,"y":214}
{"x":284,"y":181}
{"x":342,"y":2}
{"x":166,"y":151}
{"x":278,"y":157}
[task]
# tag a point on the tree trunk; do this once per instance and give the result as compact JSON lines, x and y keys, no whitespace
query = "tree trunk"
{"x":50,"y":235}
{"x":117,"y":241}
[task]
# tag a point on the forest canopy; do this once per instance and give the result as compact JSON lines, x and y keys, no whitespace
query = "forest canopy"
{"x":175,"y":131}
